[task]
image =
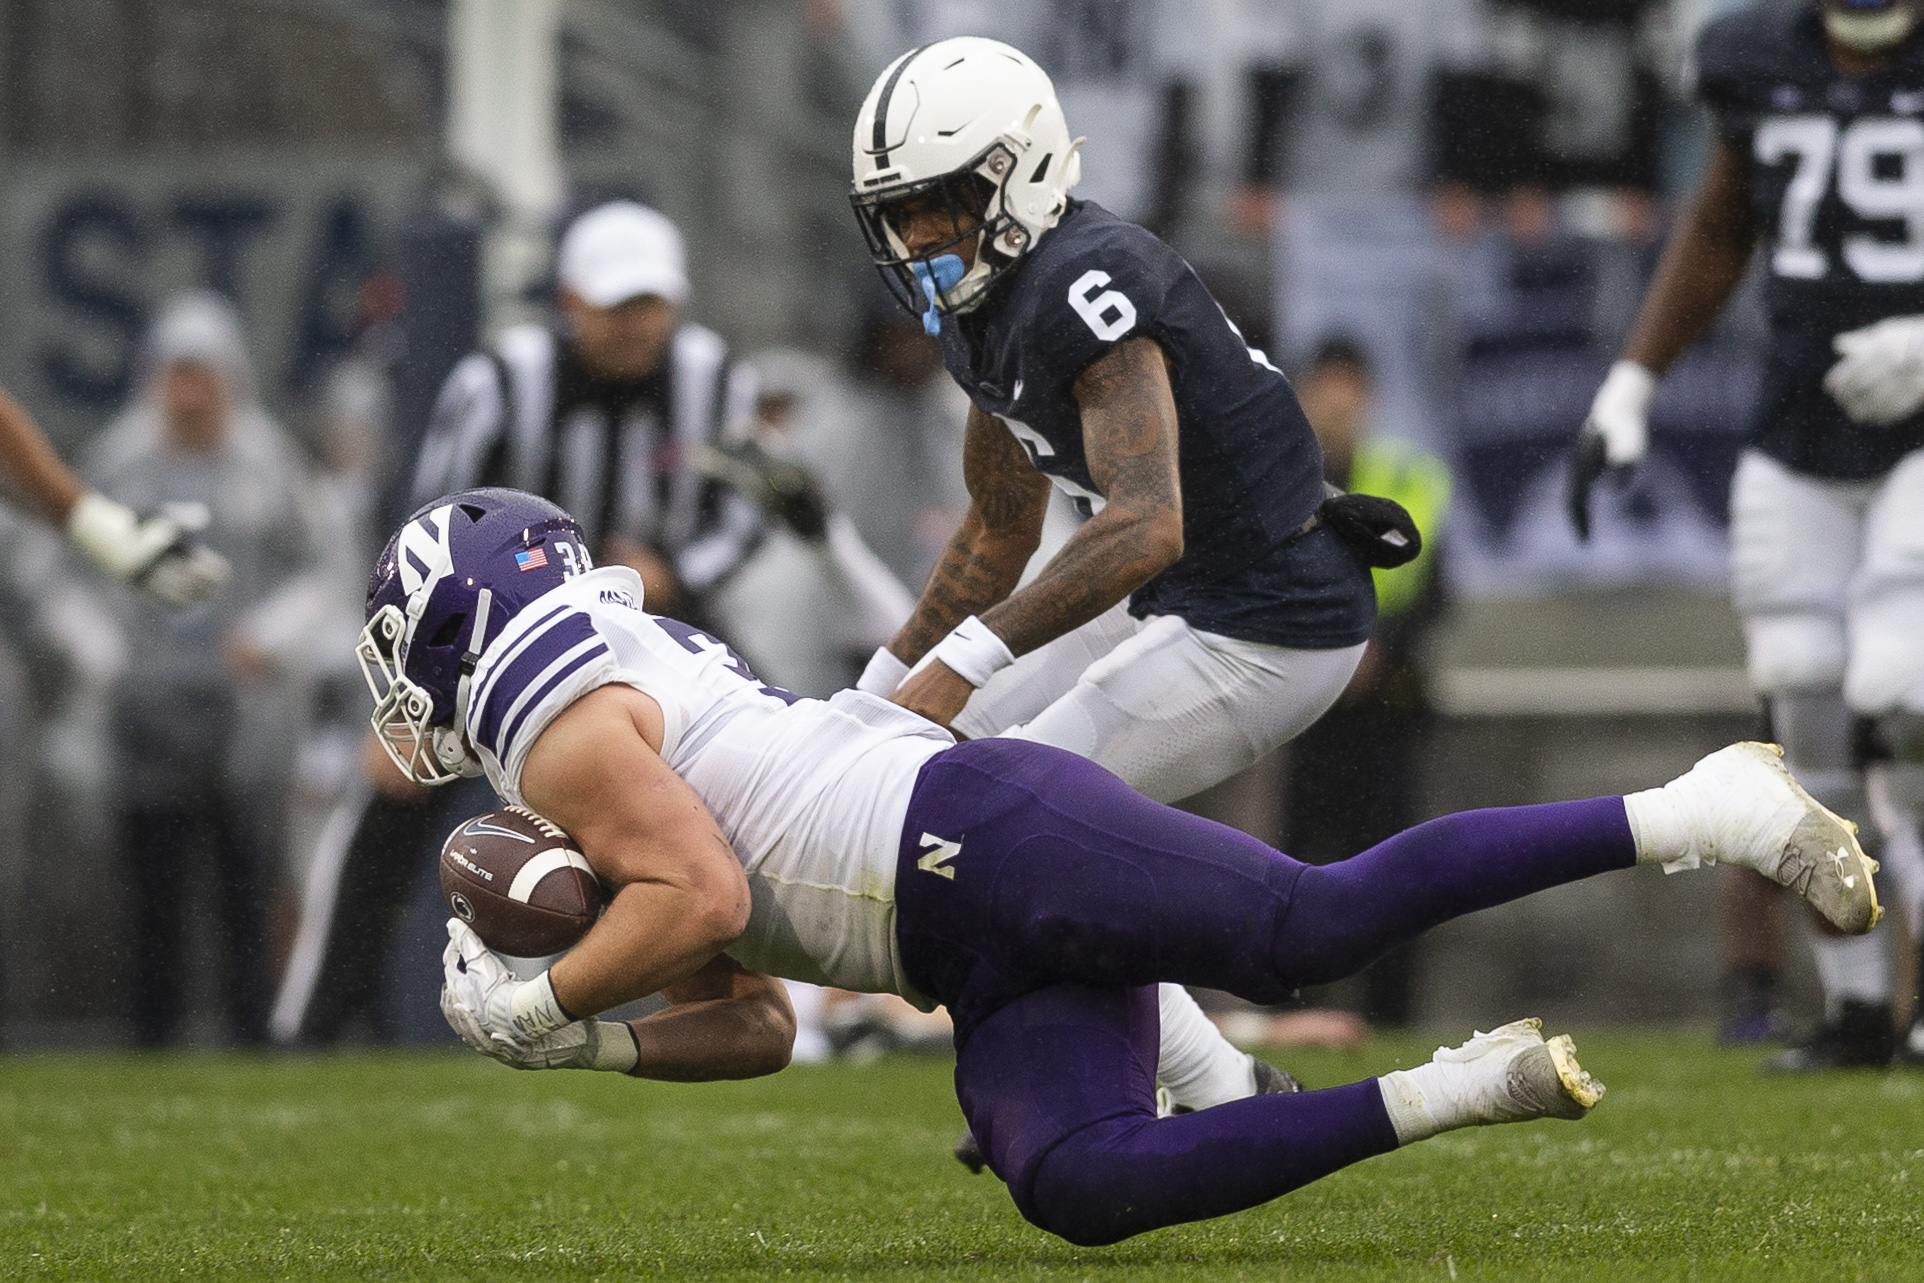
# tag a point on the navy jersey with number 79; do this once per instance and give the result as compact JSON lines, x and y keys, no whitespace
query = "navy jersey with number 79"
{"x":1837,"y":193}
{"x":1252,"y":473}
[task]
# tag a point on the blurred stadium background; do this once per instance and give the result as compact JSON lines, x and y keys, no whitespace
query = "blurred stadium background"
{"x":1473,"y":192}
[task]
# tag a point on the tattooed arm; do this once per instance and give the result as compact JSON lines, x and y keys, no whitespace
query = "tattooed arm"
{"x":986,"y":554}
{"x":1129,"y":436}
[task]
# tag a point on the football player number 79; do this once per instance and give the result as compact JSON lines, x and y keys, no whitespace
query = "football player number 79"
{"x":1879,"y":162}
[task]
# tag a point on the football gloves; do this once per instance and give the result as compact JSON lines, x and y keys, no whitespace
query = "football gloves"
{"x":480,"y":997}
{"x":156,"y":554}
{"x":1614,"y":439}
{"x":511,"y":1011}
{"x":1880,"y":379}
{"x":787,"y":491}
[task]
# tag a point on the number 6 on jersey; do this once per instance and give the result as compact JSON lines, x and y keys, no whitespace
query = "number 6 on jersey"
{"x":1096,"y":310}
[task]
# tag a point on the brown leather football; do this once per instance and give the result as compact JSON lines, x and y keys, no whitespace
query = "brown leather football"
{"x":520,"y":883}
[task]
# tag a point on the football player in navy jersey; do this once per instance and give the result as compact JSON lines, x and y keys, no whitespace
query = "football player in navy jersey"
{"x":1818,"y":157}
{"x":744,"y":833}
{"x":1211,"y":607}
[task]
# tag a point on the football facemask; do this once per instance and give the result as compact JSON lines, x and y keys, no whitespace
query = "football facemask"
{"x":404,"y":710}
{"x":972,"y":203}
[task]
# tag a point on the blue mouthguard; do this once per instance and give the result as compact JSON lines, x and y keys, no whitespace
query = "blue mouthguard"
{"x":937,"y":276}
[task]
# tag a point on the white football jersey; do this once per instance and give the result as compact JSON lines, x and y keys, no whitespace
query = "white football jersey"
{"x":811,"y":794}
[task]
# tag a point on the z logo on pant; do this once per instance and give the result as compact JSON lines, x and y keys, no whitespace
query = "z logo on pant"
{"x":937,"y":852}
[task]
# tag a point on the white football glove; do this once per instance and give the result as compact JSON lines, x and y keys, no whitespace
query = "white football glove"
{"x":156,"y":554}
{"x":1615,"y":437}
{"x":513,"y":1013}
{"x":1620,"y":414}
{"x":1880,"y":380}
{"x":585,"y":1044}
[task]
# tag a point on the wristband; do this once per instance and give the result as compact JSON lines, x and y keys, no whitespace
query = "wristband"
{"x":535,"y":1010}
{"x":615,"y":1048}
{"x":108,"y":532}
{"x":973,"y":652}
{"x":883,"y":674}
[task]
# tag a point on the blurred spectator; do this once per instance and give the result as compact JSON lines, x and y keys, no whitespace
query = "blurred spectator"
{"x":1593,"y":95}
{"x":200,"y":714}
{"x":1354,"y":776}
{"x":610,"y":414}
{"x":352,"y":430}
{"x":814,"y":599}
{"x":1339,"y":152}
{"x":885,"y":435}
{"x":1127,"y":72}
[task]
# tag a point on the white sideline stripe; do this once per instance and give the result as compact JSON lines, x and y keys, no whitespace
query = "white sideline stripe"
{"x":318,"y":898}
{"x":540,"y":867}
{"x":1632,"y":691}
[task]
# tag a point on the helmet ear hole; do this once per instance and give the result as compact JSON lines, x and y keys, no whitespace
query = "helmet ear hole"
{"x":449,"y":630}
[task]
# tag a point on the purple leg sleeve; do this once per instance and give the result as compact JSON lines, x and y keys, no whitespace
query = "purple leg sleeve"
{"x":1066,"y":875}
{"x":1058,"y":1087}
{"x":1344,"y":915}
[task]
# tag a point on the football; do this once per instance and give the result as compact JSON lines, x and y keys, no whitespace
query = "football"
{"x":518,"y":881}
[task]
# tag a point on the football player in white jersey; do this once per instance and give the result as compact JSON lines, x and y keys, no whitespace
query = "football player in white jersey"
{"x":747,"y":834}
{"x":1819,"y":158}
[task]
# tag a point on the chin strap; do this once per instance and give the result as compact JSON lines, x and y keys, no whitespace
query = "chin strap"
{"x":470,"y":658}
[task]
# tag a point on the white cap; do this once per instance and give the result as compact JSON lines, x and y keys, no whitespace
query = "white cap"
{"x":622,"y":250}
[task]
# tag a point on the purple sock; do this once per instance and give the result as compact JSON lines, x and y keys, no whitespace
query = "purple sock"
{"x":1343,"y":915}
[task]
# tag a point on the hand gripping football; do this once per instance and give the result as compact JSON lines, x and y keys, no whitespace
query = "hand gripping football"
{"x":518,"y":881}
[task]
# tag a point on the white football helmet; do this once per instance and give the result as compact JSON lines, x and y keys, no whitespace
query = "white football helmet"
{"x":978,"y":122}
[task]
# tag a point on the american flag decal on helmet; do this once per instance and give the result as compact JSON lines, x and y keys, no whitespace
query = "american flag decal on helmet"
{"x":531,"y":559}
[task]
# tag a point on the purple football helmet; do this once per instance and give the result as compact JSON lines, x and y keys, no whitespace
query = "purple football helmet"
{"x":447,"y":583}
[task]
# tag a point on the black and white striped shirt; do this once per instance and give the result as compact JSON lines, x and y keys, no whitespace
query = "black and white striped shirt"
{"x":622,"y":457}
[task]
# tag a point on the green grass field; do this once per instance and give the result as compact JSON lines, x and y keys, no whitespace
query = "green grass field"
{"x":450,"y":1167}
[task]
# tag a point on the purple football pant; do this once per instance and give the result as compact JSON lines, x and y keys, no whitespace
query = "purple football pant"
{"x":1071,"y":895}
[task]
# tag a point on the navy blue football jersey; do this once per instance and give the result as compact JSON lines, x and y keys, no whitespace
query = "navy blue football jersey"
{"x":1252,"y":473}
{"x":1838,"y":196}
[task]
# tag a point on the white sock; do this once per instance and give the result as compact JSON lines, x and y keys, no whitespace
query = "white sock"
{"x":1856,"y":968}
{"x":1197,"y":1065}
{"x":1427,"y":1100}
{"x":1896,"y":804}
{"x":1658,"y":827}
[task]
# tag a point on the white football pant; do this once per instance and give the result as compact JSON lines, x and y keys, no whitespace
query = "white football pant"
{"x":1829,"y":579}
{"x":1171,"y":710}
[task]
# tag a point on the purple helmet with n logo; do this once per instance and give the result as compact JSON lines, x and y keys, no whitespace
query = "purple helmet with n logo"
{"x":448,"y":582}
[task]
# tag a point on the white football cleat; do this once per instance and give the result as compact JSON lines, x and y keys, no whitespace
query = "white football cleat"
{"x":1509,"y":1075}
{"x":1742,"y":806}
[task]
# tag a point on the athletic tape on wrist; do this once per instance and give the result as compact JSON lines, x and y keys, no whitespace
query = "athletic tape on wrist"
{"x":973,"y":652}
{"x":616,"y":1051}
{"x":883,"y":674}
{"x":535,"y":1010}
